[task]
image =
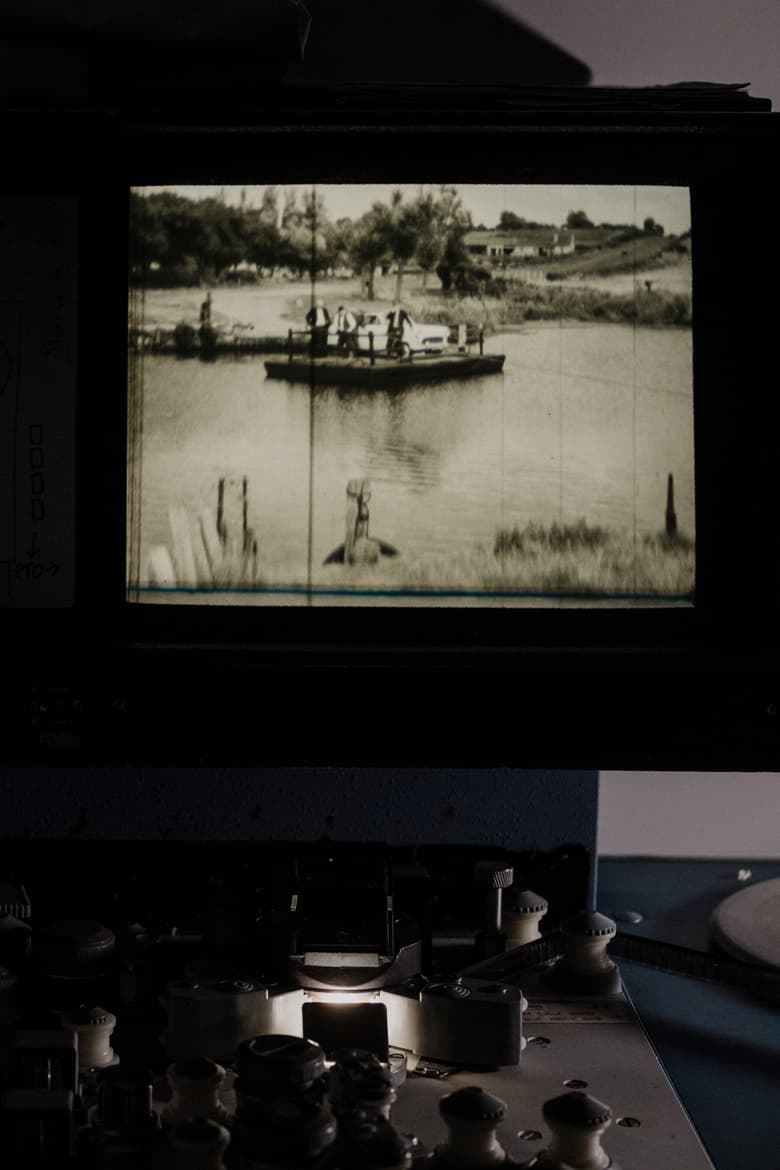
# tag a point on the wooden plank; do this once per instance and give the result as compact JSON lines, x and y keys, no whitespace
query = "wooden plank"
{"x":160,"y":566}
{"x":211,"y":543}
{"x":184,"y":558}
{"x":202,"y":562}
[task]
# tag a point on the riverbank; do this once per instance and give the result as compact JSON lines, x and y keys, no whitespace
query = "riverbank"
{"x":535,"y":302}
{"x":564,"y":564}
{"x":564,"y":561}
{"x":269,"y":310}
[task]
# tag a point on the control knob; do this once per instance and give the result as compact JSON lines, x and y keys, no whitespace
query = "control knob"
{"x":195,"y":1082}
{"x":523,"y":911}
{"x":472,"y":1117}
{"x":586,"y":968}
{"x":199,"y":1144}
{"x":576,"y":1122}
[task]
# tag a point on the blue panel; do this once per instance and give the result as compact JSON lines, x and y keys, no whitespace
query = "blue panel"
{"x":506,"y":808}
{"x":721,"y":1048}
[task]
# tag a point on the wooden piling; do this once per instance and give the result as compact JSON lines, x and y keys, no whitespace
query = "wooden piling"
{"x":289,"y":345}
{"x":461,"y":339}
{"x":671,"y":515}
{"x":356,"y":489}
{"x":372,"y":354}
{"x":232,"y":514}
{"x":481,"y":340}
{"x":358,"y":547}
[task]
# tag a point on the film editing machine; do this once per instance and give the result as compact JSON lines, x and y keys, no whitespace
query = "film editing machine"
{"x":325,"y":1006}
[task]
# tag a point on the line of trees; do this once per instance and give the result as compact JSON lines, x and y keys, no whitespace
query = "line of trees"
{"x":182,"y":240}
{"x":510,"y":221}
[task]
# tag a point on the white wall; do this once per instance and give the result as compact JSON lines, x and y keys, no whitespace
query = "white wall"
{"x":626,"y":42}
{"x":690,"y":814}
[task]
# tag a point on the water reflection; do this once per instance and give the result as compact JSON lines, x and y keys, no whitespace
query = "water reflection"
{"x":586,"y":422}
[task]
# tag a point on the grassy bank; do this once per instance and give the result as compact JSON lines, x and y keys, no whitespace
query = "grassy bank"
{"x":523,"y":302}
{"x":576,"y":560}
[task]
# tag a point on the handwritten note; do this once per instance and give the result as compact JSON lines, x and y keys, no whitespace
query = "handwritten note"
{"x":38,"y":307}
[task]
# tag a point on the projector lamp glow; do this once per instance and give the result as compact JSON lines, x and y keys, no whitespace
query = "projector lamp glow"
{"x":346,"y":1019}
{"x":337,"y":997}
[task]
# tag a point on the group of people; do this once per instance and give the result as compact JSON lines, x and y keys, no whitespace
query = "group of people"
{"x":347,"y":324}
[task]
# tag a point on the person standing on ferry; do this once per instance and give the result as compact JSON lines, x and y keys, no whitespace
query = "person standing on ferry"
{"x":346,"y":326}
{"x":318,"y":319}
{"x":397,"y":319}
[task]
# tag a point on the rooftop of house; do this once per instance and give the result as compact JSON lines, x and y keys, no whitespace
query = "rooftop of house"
{"x":514,"y":239}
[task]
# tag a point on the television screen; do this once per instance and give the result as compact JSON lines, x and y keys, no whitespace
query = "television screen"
{"x":411,"y":394}
{"x":410,"y":428}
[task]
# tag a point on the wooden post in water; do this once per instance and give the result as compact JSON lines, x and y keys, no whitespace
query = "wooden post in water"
{"x":289,"y":345}
{"x":372,"y":355}
{"x":238,"y":543}
{"x":358,"y":548}
{"x":671,"y":515}
{"x":231,"y":514}
{"x":481,"y":340}
{"x":356,"y":489}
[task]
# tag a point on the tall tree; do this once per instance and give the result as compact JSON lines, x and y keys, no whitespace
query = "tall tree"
{"x":269,"y":206}
{"x":369,"y":245}
{"x":339,"y":237}
{"x":263,"y":240}
{"x":442,"y":219}
{"x":224,"y":242}
{"x":304,"y":225}
{"x":402,"y":233}
{"x":148,"y":237}
{"x":508,"y":221}
{"x":578,"y":219}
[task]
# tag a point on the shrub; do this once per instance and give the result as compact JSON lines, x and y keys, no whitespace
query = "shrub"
{"x":185,"y":338}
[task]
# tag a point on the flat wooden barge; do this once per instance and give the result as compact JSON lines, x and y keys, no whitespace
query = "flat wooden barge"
{"x":384,"y":372}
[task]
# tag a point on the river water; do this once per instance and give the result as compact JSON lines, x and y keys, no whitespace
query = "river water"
{"x":586,"y":422}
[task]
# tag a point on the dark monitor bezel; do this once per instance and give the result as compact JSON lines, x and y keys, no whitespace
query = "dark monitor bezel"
{"x":713,"y":161}
{"x":724,"y":158}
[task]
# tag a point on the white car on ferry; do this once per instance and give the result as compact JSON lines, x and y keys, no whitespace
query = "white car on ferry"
{"x":417,"y":336}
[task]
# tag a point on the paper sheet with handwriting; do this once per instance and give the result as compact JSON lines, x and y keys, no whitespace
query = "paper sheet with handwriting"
{"x":38,"y":314}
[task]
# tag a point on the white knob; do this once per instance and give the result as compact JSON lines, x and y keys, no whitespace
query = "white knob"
{"x":195,"y":1082}
{"x":472,"y":1117}
{"x":93,"y":1026}
{"x":523,"y":911}
{"x":199,"y":1144}
{"x":576,"y":1121}
{"x":587,"y":937}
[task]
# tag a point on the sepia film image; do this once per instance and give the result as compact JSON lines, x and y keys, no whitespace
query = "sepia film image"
{"x":411,"y":395}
